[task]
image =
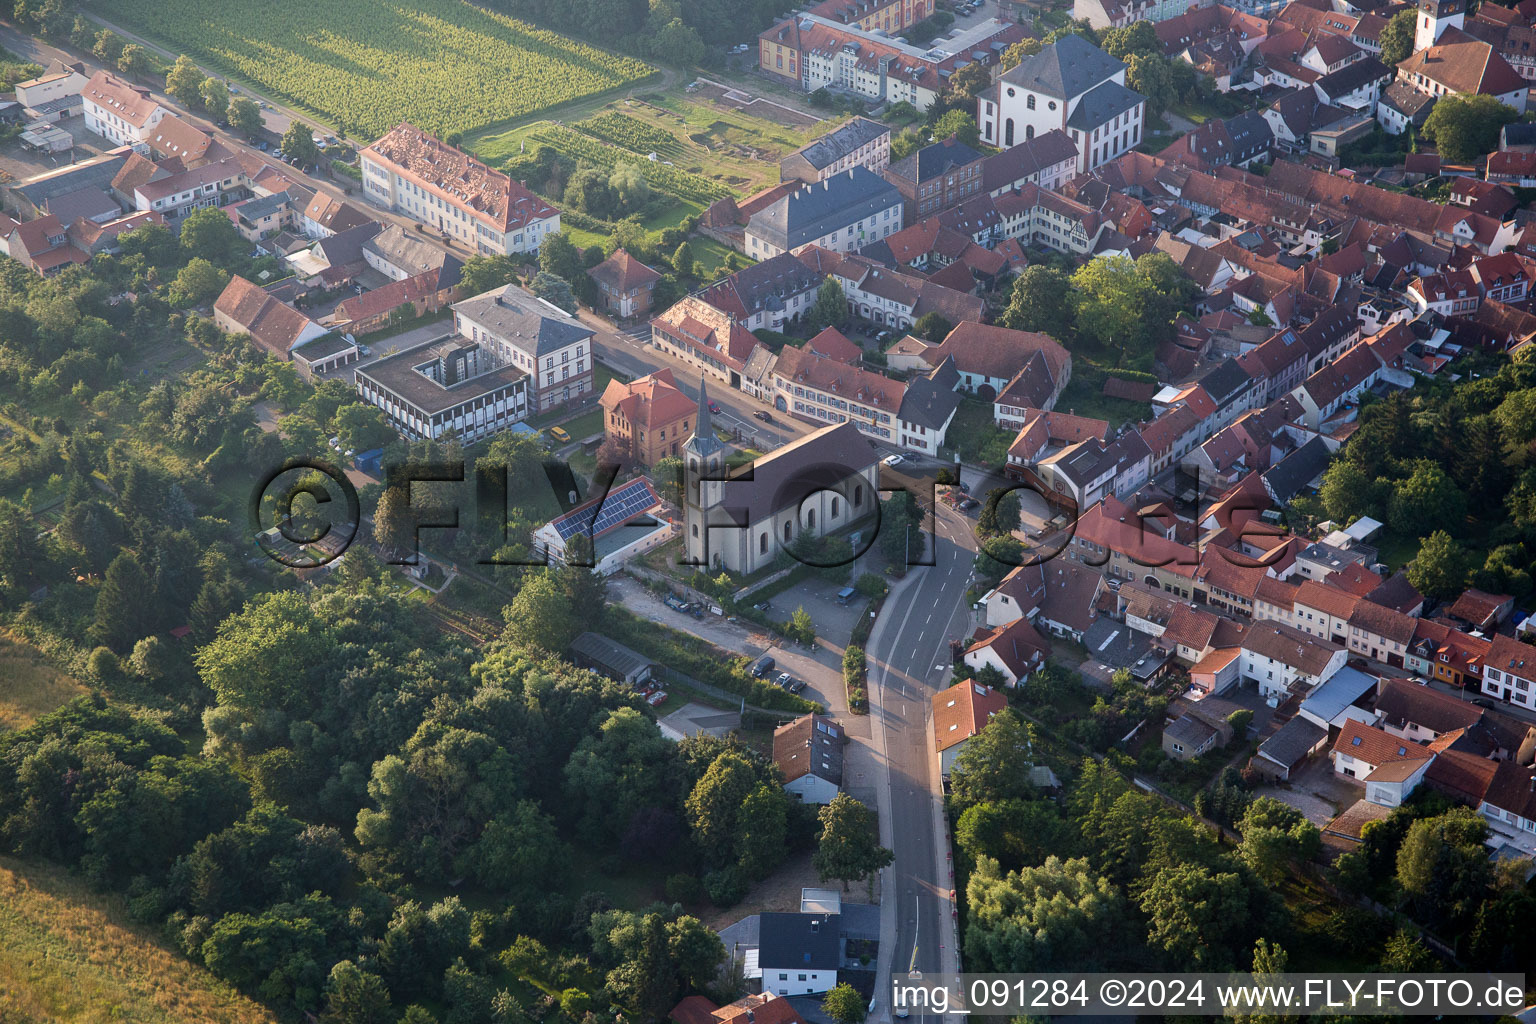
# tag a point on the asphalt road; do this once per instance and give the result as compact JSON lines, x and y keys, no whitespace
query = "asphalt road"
{"x":910,"y":651}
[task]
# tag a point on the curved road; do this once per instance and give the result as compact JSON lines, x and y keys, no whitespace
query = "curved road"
{"x":910,"y":651}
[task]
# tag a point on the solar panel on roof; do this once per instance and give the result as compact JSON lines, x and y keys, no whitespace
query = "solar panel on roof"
{"x":615,"y":509}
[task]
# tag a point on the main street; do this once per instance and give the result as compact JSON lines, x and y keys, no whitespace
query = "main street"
{"x":910,"y":661}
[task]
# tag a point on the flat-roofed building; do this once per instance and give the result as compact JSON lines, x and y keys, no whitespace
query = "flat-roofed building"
{"x":453,"y":384}
{"x":554,"y":349}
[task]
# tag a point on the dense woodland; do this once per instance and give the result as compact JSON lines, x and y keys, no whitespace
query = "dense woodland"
{"x":1108,"y":877}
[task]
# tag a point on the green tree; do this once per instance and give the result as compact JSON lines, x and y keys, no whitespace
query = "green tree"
{"x":848,"y":849}
{"x":1109,"y":299}
{"x":554,"y":290}
{"x":999,"y":514}
{"x":215,"y":96}
{"x":1347,"y":493}
{"x":484,"y":273}
{"x":1440,"y":568}
{"x":394,"y":525}
{"x":830,"y":307}
{"x":1015,"y":54}
{"x":960,"y":123}
{"x":1137,"y":38}
{"x":932,"y":327}
{"x":209,"y":234}
{"x":683,"y":258}
{"x":354,"y":996}
{"x":630,"y":189}
{"x":1276,"y":836}
{"x":901,"y":527}
{"x":1049,"y":918}
{"x":198,"y":283}
{"x":185,"y":82}
{"x":1443,"y":866}
{"x":994,"y":764}
{"x":1464,"y":127}
{"x":1197,"y":917}
{"x":244,"y":115}
{"x":1397,"y":38}
{"x":122,"y":616}
{"x":299,"y":144}
{"x":965,"y":84}
{"x":1405,"y":953}
{"x":763,"y":830}
{"x":542,"y":616}
{"x":715,"y":803}
{"x":1041,"y":301}
{"x":1151,"y":75}
{"x":558,"y":255}
{"x":844,"y":1004}
{"x":133,"y":60}
{"x":108,"y":47}
{"x":801,"y":626}
{"x":1429,"y":499}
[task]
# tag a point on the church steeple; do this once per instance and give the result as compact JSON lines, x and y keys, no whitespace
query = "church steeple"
{"x":703,"y":443}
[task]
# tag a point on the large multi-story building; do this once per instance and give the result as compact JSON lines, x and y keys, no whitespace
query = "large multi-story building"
{"x":812,"y":52}
{"x":424,"y":178}
{"x":842,"y":214}
{"x":648,"y":418}
{"x":937,"y":177}
{"x":123,"y":113}
{"x":451,"y":384}
{"x":534,"y":336}
{"x":859,"y":143}
{"x":1071,"y":85}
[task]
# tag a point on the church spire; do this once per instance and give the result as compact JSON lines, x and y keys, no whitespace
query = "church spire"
{"x":703,"y":443}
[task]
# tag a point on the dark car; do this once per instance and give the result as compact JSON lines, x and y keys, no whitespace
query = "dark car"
{"x":763,"y":415}
{"x":969,"y":505}
{"x":762,"y":666}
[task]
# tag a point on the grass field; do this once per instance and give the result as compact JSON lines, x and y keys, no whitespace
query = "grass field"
{"x":69,"y":957}
{"x":32,"y":686}
{"x":445,"y":65}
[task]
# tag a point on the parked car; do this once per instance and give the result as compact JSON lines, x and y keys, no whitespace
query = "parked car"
{"x":968,"y":504}
{"x":364,"y":351}
{"x":763,"y":415}
{"x":784,"y":680}
{"x":714,"y":406}
{"x":893,"y":460}
{"x":762,"y":666}
{"x":560,"y":434}
{"x":796,"y":686}
{"x":883,"y":337}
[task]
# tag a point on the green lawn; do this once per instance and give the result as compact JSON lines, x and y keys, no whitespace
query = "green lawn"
{"x":1084,"y":396}
{"x":712,"y":254}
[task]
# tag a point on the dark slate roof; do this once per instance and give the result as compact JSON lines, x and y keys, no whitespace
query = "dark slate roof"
{"x":1102,"y":105}
{"x":93,"y":174}
{"x":931,"y":400}
{"x":816,"y":210}
{"x":1292,"y":743}
{"x":1353,"y":75}
{"x":1520,"y":133}
{"x":1225,"y":381}
{"x":1287,"y":479}
{"x":1249,"y":133}
{"x":807,"y":941}
{"x":511,"y":316}
{"x":824,"y":458}
{"x":934,"y":161}
{"x":1068,"y":67}
{"x":839,"y":142}
{"x":1027,"y":158}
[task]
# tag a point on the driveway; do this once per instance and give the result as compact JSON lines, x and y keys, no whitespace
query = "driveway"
{"x":1317,"y":791}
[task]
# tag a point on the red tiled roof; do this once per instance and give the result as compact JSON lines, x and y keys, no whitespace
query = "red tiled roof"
{"x":622,"y":272}
{"x":962,"y":711}
{"x":1376,"y":746}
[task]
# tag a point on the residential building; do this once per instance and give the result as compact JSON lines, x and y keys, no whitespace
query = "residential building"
{"x":1188,"y":737}
{"x":1390,"y":767}
{"x":813,"y":387}
{"x":398,"y":254}
{"x":1510,"y":671}
{"x":1070,"y":85}
{"x":858,"y":143}
{"x":809,"y":753}
{"x":411,"y":172}
{"x":554,"y":349}
{"x":174,"y":196}
{"x":707,"y":338}
{"x":988,"y":358}
{"x":960,"y":712}
{"x":818,"y":484}
{"x":120,"y":112}
{"x":649,"y":418}
{"x":936,"y":177}
{"x":798,"y":953}
{"x":400,"y":300}
{"x":54,"y":95}
{"x":325,"y":215}
{"x":1463,"y":69}
{"x":842,"y":213}
{"x":246,"y":308}
{"x":625,"y":284}
{"x":767,"y":294}
{"x":809,"y":51}
{"x":452,"y":383}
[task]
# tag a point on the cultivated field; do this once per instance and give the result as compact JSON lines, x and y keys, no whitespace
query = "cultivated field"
{"x":703,"y":150}
{"x":366,"y":65}
{"x":69,"y":957}
{"x":32,"y":686}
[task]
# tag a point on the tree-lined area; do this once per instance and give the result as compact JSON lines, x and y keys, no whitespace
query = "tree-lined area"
{"x":1106,"y":876}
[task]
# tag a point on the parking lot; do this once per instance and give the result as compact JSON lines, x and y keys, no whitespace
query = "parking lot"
{"x":17,"y":163}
